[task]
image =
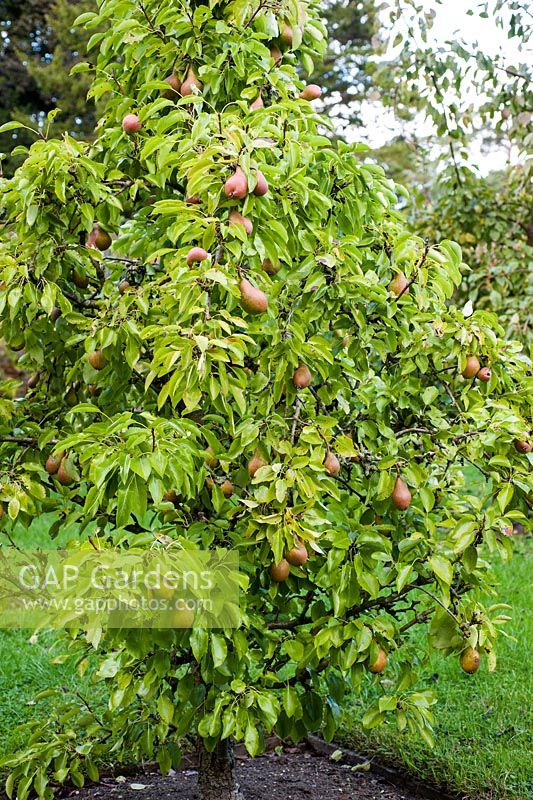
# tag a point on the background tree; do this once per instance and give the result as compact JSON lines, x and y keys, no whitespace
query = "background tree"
{"x":38,"y":50}
{"x":236,"y":342}
{"x":474,"y":99}
{"x":342,"y":74}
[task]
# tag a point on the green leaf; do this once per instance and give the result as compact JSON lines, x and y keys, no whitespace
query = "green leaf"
{"x":165,"y":708}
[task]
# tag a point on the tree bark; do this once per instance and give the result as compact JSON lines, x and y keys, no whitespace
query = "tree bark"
{"x":216,"y":772}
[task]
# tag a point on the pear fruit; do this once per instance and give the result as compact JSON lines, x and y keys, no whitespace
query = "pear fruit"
{"x":123,"y":286}
{"x":174,"y":86}
{"x":399,"y":285}
{"x":520,"y":445}
{"x":33,"y":381}
{"x":257,"y":104}
{"x":196,"y":254}
{"x":211,"y":460}
{"x":302,"y":378}
{"x":237,"y":219}
{"x":379,"y":663}
{"x":193,"y":200}
{"x":237,"y":185}
{"x":71,"y":397}
{"x":99,"y":238}
{"x":66,"y":473}
{"x":97,"y":360}
{"x":55,"y":313}
{"x":80,"y":280}
{"x":256,"y":462}
{"x":191,"y":83}
{"x":253,"y":300}
{"x":470,"y":660}
{"x":261,"y":187}
{"x":332,"y":464}
{"x":311,"y":92}
{"x":227,"y":488}
{"x":171,"y":496}
{"x":276,"y":54}
{"x":401,"y":496}
{"x":182,"y":618}
{"x":280,"y":572}
{"x":271,"y":268}
{"x":297,"y":555}
{"x":286,"y":35}
{"x":484,"y":375}
{"x":472,"y":367}
{"x":54,"y":462}
{"x":131,"y":124}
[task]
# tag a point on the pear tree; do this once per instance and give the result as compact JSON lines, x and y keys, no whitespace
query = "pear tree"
{"x":234,"y":341}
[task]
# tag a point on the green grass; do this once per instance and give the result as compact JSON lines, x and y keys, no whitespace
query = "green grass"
{"x":26,"y":659}
{"x":484,"y":722}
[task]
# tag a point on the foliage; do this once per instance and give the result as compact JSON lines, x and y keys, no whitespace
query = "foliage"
{"x":185,"y":367}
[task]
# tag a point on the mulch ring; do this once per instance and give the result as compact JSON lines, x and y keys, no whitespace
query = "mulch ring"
{"x":298,"y":773}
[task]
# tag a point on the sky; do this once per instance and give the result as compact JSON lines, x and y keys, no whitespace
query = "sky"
{"x":451,"y":21}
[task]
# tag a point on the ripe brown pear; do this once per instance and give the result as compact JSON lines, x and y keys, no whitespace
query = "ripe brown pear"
{"x":227,"y":488}
{"x":193,"y":200}
{"x":54,"y":462}
{"x":379,"y":663}
{"x":270,"y":268}
{"x":196,"y":254}
{"x":171,"y":496}
{"x":261,"y":187}
{"x":280,"y":572}
{"x":255,"y":463}
{"x":174,"y":86}
{"x":237,"y":185}
{"x":66,"y":473}
{"x":297,"y":555}
{"x":520,"y":445}
{"x":332,"y":464}
{"x":399,"y":284}
{"x":311,"y":92}
{"x":470,"y":660}
{"x":33,"y":381}
{"x":123,"y":286}
{"x":253,"y":300}
{"x":302,"y":378}
{"x":131,"y":124}
{"x":472,"y":367}
{"x":191,"y":83}
{"x":80,"y":280}
{"x":286,"y":35}
{"x":99,"y":238}
{"x":484,"y":375}
{"x":211,"y":460}
{"x":257,"y":104}
{"x":237,"y":219}
{"x":401,"y":496}
{"x":276,"y":54}
{"x":97,"y":360}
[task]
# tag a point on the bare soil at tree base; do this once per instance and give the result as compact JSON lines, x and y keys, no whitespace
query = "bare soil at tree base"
{"x":294,"y":775}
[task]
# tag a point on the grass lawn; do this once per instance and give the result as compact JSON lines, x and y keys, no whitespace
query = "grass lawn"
{"x":484,"y":722}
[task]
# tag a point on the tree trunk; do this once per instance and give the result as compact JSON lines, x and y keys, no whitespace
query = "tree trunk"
{"x":216,"y":773}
